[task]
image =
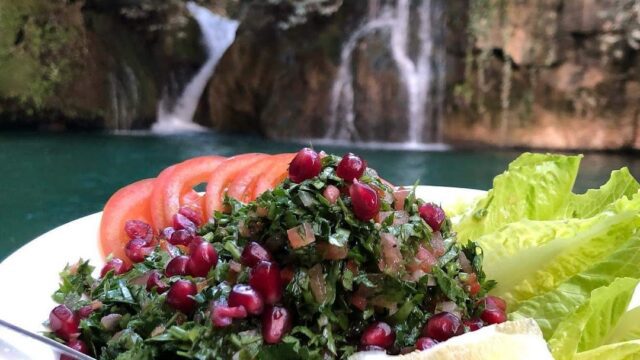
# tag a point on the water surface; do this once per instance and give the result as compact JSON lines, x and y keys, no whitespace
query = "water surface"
{"x":50,"y":179}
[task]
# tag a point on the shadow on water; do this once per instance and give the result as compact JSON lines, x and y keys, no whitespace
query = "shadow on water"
{"x":50,"y":179}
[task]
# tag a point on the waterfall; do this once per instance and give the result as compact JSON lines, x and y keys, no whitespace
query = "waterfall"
{"x":416,"y":70}
{"x":218,"y":34}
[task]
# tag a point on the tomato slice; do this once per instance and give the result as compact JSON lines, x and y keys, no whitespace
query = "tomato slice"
{"x":176,"y":188}
{"x":241,"y":188}
{"x":276,"y":174}
{"x":224,"y":175}
{"x":129,"y":203}
{"x":156,"y":202}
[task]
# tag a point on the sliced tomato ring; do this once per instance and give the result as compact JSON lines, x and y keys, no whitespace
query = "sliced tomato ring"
{"x":156,"y":202}
{"x":241,"y":188}
{"x":129,"y":203}
{"x":178,"y":185}
{"x":271,"y":178}
{"x":225,"y":174}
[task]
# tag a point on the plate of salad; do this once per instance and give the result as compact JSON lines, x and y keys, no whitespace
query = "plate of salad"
{"x":316,"y":256}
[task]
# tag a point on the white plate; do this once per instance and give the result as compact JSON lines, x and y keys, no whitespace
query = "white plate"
{"x":30,"y":275}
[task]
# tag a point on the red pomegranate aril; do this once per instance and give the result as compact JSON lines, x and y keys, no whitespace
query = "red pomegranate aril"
{"x":351,"y":167}
{"x":85,"y":311}
{"x":443,"y":326}
{"x":276,"y":323}
{"x":154,"y":281}
{"x":177,"y":266}
{"x":202,"y":259}
{"x":222,"y":314}
{"x":265,"y":279}
{"x":433,"y":215}
{"x":191,"y":214}
{"x":364,"y":201}
{"x":305,"y":165}
{"x":179,"y":296}
{"x":64,"y":322}
{"x":246,"y":296}
{"x":253,"y":253}
{"x":137,"y":250}
{"x":425,"y":343}
{"x":195,"y":242}
{"x":116,"y":265}
{"x":181,"y":237}
{"x":167,"y":232}
{"x":137,"y":229}
{"x":473,"y":324}
{"x":493,"y":316}
{"x":378,"y":334}
{"x":77,"y":345}
{"x":494,"y":302}
{"x":331,"y":193}
{"x":182,"y":222}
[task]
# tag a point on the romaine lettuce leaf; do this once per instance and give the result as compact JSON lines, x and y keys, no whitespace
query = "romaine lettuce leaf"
{"x":528,"y":258}
{"x":550,"y":308}
{"x":628,"y":350}
{"x":589,"y":326}
{"x":628,"y":327}
{"x":535,"y":187}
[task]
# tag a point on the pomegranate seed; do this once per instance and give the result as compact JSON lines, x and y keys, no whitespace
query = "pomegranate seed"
{"x":494,"y":302}
{"x":181,"y":237}
{"x":265,"y":279}
{"x":202,"y":259}
{"x":304,"y":166}
{"x":433,"y":215}
{"x":85,"y":311}
{"x":244,"y":295}
{"x":425,"y":343}
{"x":137,"y":249}
{"x":378,"y":334}
{"x":351,"y":167}
{"x":195,"y":242}
{"x":167,"y":232}
{"x":276,"y":322}
{"x":64,"y":322}
{"x":155,"y":281}
{"x":443,"y":326}
{"x":331,"y":193}
{"x":493,"y":316}
{"x":116,"y":265}
{"x":77,"y":345}
{"x":473,"y":324}
{"x":253,"y":253}
{"x":364,"y":201}
{"x":222,"y":314}
{"x":177,"y":266}
{"x":182,"y":222}
{"x":191,"y":214}
{"x":179,"y":296}
{"x":137,"y":229}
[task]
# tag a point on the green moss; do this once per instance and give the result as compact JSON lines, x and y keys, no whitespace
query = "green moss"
{"x":37,"y":48}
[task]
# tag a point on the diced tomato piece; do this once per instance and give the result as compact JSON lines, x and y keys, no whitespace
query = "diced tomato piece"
{"x":241,"y":188}
{"x":223,"y":175}
{"x":427,"y":259}
{"x":358,"y":301}
{"x":301,"y":235}
{"x":332,"y":252}
{"x":181,"y":181}
{"x":129,"y":203}
{"x":271,"y":178}
{"x":472,"y":284}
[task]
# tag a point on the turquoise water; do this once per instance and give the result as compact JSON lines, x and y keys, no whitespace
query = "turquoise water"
{"x":50,"y":179}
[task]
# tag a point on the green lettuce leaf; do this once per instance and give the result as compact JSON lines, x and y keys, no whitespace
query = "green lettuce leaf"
{"x":628,"y":327}
{"x":528,"y":257}
{"x":535,"y":187}
{"x":628,"y":350}
{"x":550,"y":308}
{"x":589,"y":326}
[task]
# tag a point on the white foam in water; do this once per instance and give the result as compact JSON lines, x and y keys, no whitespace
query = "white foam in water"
{"x":218,"y":34}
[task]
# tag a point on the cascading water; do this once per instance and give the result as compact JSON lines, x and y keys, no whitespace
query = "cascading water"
{"x":218,"y":34}
{"x":422,"y":72}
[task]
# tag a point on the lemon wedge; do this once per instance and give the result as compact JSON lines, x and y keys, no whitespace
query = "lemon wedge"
{"x":512,"y":340}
